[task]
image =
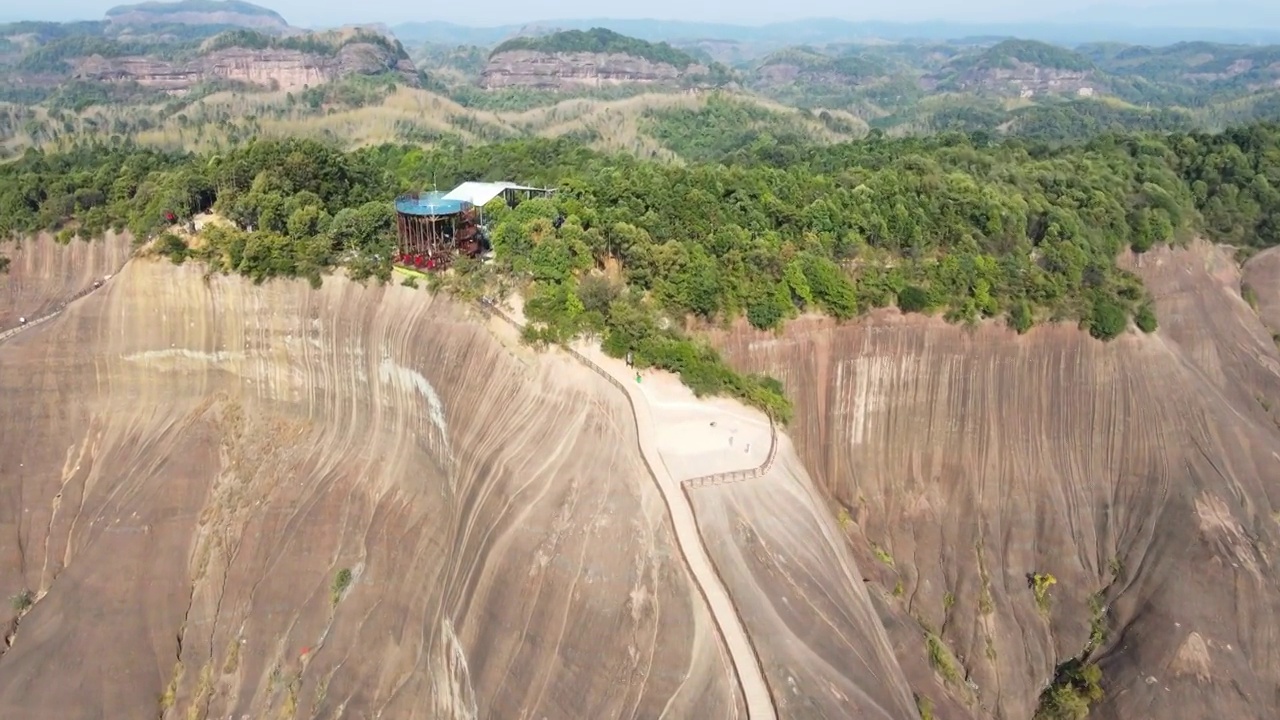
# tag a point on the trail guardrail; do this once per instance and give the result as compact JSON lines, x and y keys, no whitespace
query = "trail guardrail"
{"x":490,"y":309}
{"x":57,"y":310}
{"x":720,"y":478}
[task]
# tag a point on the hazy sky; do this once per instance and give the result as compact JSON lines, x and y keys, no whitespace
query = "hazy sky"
{"x":311,"y":13}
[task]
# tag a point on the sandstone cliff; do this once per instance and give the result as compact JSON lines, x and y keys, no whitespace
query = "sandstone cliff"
{"x":1141,"y":474}
{"x":564,"y":71}
{"x":282,"y":69}
{"x":189,"y":465}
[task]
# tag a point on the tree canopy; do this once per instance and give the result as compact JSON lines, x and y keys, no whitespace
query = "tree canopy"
{"x":637,"y":251}
{"x":599,"y":40}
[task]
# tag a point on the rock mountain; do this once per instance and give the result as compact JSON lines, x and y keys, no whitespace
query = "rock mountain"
{"x":219,"y":13}
{"x":173,"y":47}
{"x":277,"y":68}
{"x":594,"y":58}
{"x":284,"y":501}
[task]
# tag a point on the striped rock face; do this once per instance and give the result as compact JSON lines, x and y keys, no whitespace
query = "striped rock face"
{"x":335,"y":502}
{"x":1138,"y":479}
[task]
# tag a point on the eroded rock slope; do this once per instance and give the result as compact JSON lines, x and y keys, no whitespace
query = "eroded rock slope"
{"x":1143,"y":475}
{"x":230,"y":501}
{"x":41,"y":274}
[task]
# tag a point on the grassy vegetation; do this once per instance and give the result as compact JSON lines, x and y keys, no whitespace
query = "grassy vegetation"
{"x":1076,"y":687}
{"x":925,"y":707}
{"x":170,"y":694}
{"x":882,"y":555}
{"x":1097,"y":622}
{"x":354,"y":112}
{"x":22,"y":600}
{"x":1040,"y":584}
{"x":941,"y":659}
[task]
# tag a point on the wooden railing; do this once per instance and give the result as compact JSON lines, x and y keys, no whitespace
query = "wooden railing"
{"x":720,"y":478}
{"x":57,"y":310}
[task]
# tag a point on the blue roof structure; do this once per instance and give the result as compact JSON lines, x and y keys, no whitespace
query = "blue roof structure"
{"x":433,"y":203}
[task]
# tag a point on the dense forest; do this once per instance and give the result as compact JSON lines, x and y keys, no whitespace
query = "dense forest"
{"x":599,"y":40}
{"x":954,"y":224}
{"x":1007,"y":53}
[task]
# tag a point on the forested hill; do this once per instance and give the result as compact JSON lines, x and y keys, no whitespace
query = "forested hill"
{"x":947,"y":225}
{"x":194,"y":6}
{"x":1008,"y":52}
{"x":599,"y":41}
{"x":234,"y":13}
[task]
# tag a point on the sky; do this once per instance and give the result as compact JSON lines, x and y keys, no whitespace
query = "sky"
{"x":316,"y":13}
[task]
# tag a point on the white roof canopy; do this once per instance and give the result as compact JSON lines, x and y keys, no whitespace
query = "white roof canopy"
{"x":479,"y":193}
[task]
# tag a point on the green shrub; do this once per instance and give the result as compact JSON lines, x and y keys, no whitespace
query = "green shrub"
{"x":1020,"y":318}
{"x":941,"y":659}
{"x":1076,"y":687}
{"x":22,"y":601}
{"x":1146,"y":318}
{"x":173,"y":247}
{"x":341,"y":581}
{"x":1107,"y":320}
{"x":913,"y":299}
{"x":925,"y":706}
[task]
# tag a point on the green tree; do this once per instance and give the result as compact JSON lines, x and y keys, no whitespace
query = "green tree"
{"x":1107,"y":319}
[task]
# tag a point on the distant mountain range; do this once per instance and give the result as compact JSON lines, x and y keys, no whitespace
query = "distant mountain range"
{"x":1118,"y":25}
{"x":1226,"y":14}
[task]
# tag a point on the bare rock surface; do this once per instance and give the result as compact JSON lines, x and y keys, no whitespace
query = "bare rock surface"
{"x":282,"y":69}
{"x":189,"y":465}
{"x":796,"y":588}
{"x":822,"y":642}
{"x":1142,"y":474}
{"x":39,"y":278}
{"x":1262,"y":277}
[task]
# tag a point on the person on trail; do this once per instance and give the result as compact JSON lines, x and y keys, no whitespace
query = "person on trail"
{"x":748,"y":447}
{"x":637,"y":377}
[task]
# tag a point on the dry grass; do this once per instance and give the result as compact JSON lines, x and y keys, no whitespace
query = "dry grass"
{"x":171,"y":690}
{"x":203,"y":689}
{"x":226,"y":117}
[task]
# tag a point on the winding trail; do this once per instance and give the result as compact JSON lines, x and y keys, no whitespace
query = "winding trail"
{"x":61,"y":306}
{"x":742,"y":653}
